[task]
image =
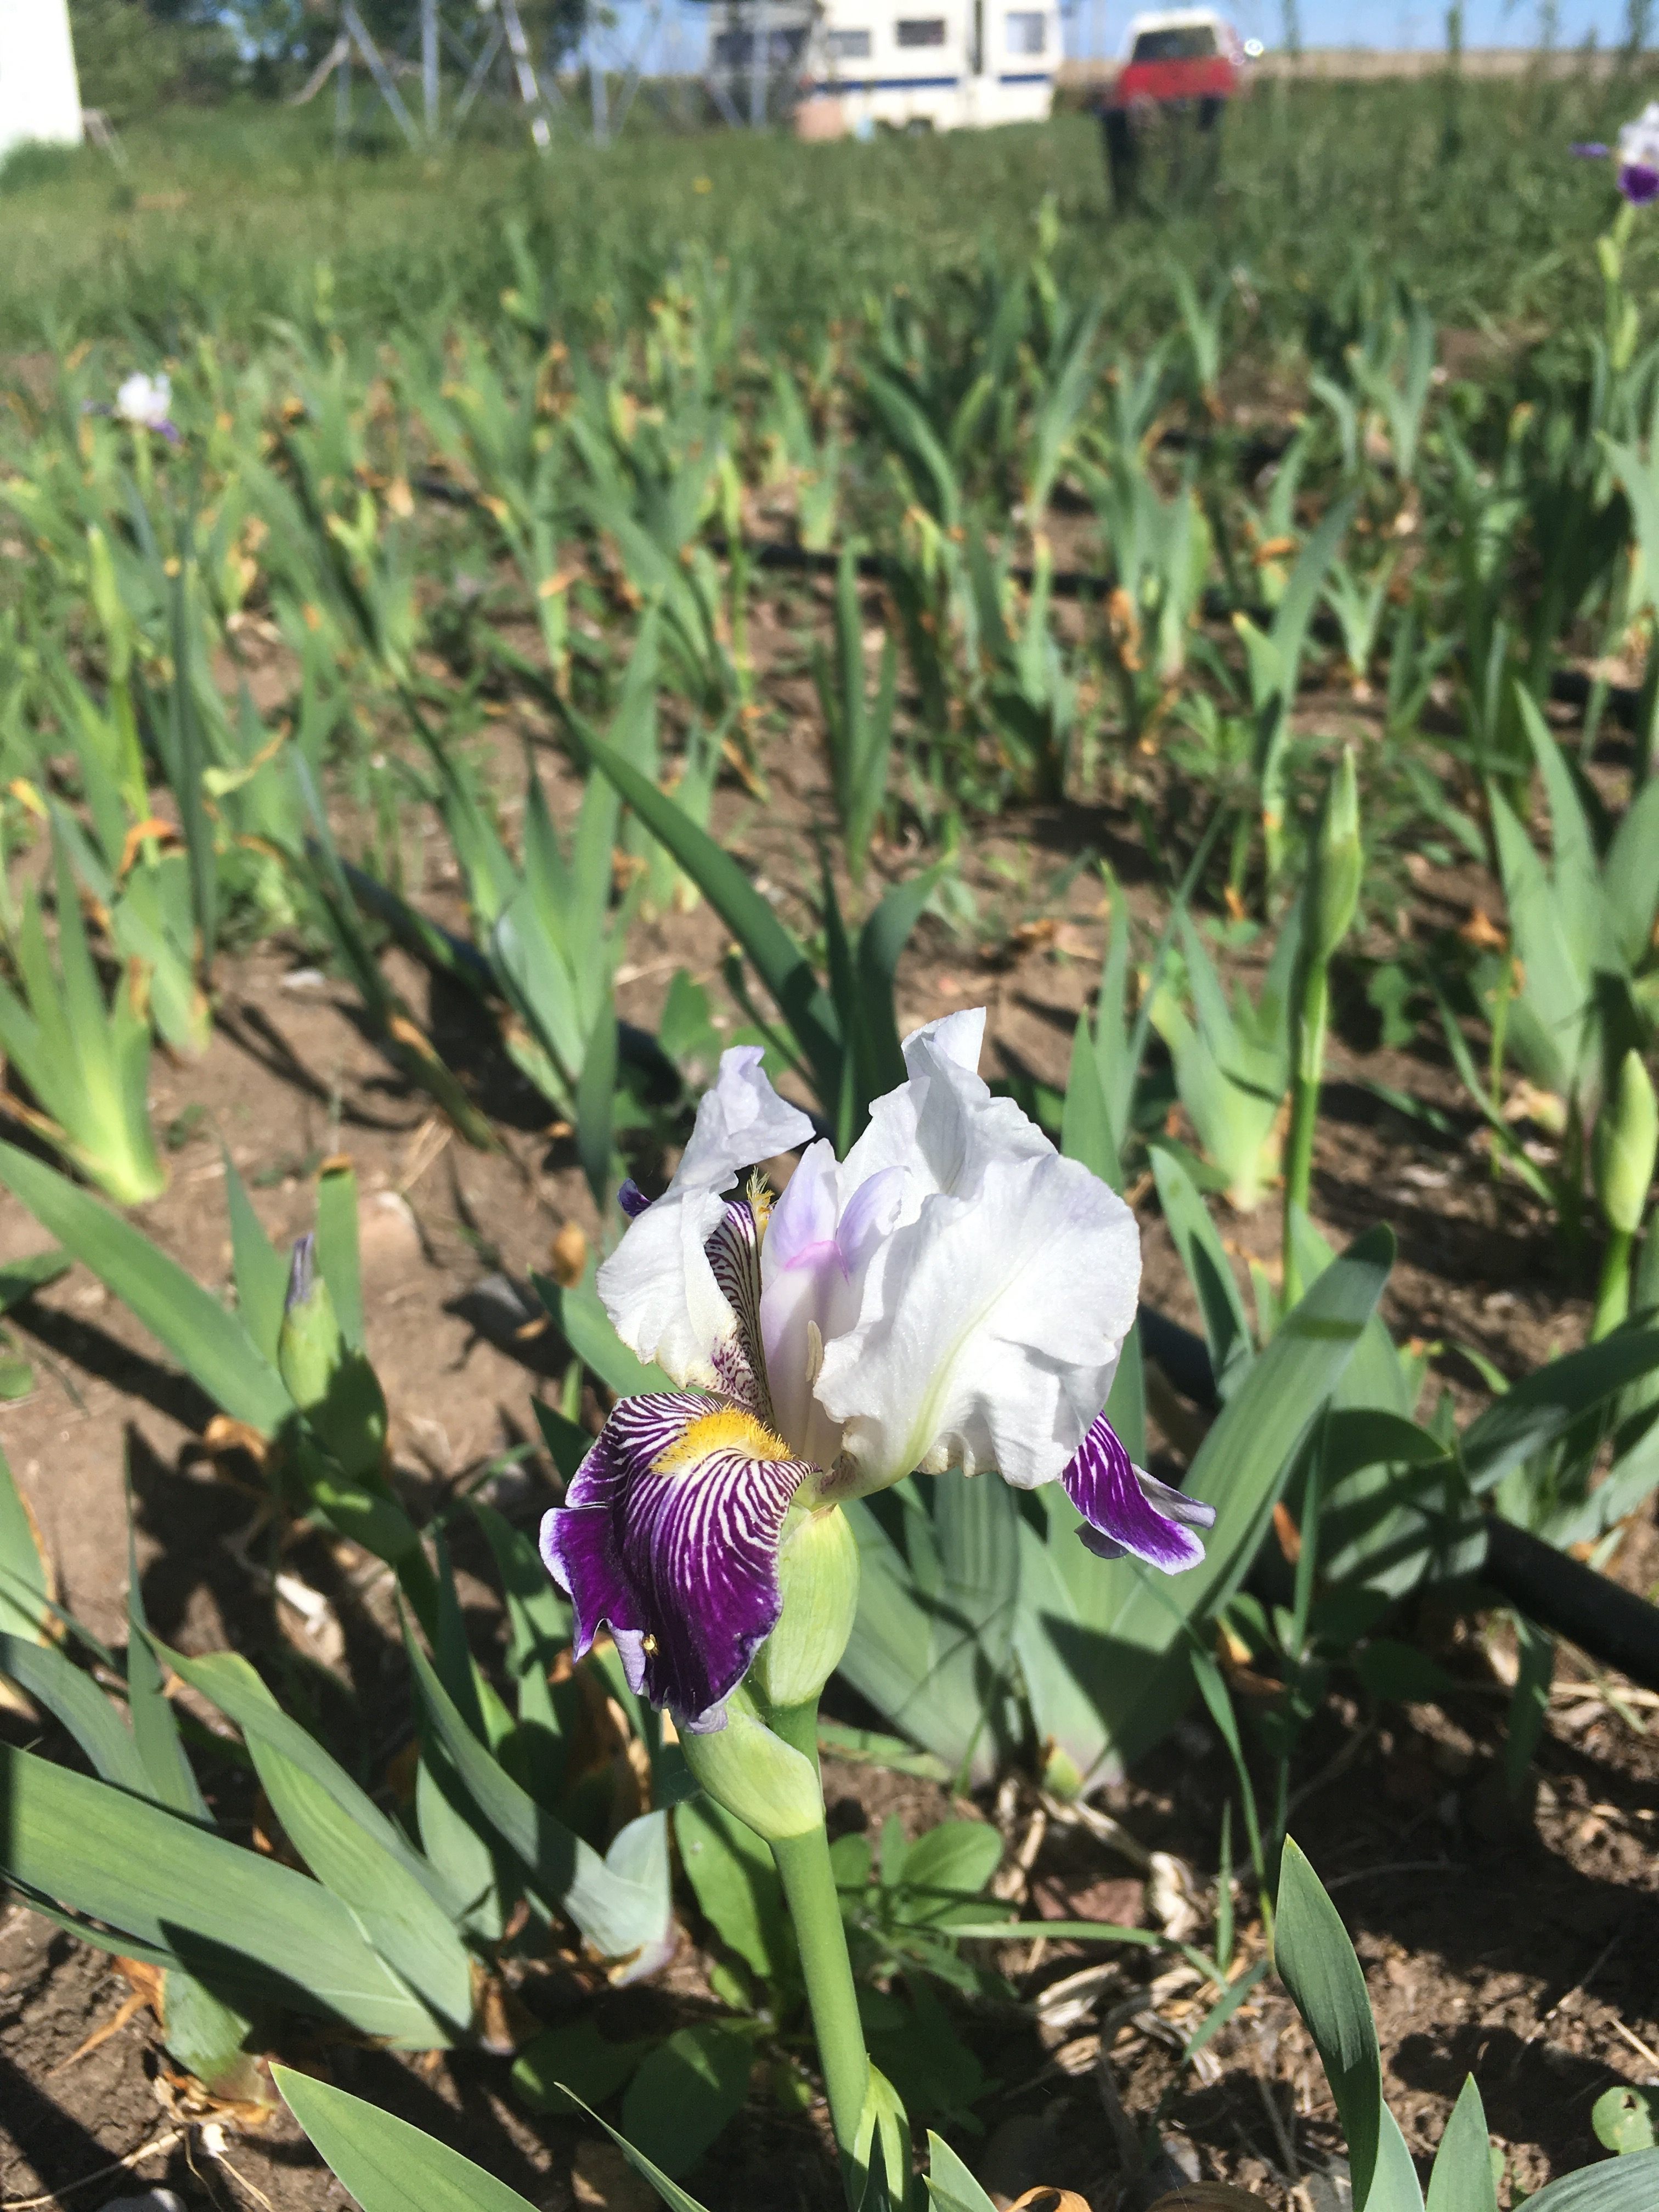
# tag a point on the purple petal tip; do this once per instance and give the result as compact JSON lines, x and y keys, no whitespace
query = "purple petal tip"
{"x":1127,"y":1510}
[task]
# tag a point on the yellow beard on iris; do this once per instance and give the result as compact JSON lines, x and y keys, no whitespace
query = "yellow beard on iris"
{"x":727,"y":1429}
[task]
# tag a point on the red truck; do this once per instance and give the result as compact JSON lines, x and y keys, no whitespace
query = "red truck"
{"x":1178,"y":54}
{"x":1181,"y":61}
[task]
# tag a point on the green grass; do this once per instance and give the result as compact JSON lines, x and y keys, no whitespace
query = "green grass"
{"x":226,"y":218}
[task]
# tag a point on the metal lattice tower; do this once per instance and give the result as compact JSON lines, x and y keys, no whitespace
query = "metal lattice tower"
{"x":476,"y":37}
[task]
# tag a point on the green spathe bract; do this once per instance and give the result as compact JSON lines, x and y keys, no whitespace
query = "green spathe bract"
{"x":1625,"y":1147}
{"x":769,"y":1785}
{"x":819,"y":1582}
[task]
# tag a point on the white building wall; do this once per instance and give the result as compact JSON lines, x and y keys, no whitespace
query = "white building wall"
{"x":39,"y":95}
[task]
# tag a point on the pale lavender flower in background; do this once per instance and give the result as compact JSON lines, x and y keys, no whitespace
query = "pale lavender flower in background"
{"x":1636,"y":155}
{"x":144,"y":402}
{"x":953,"y":1294}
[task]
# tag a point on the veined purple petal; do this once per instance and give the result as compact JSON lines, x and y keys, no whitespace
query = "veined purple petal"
{"x":1638,"y":183}
{"x":669,"y":1533}
{"x":1127,"y":1510}
{"x":734,"y":1254}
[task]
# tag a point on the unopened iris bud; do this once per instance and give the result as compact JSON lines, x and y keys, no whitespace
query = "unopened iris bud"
{"x":818,"y":1578}
{"x":1627,"y":1148}
{"x":1338,"y":862}
{"x":329,"y":1380}
{"x":766,"y":1782}
{"x":310,"y":1346}
{"x":109,"y":608}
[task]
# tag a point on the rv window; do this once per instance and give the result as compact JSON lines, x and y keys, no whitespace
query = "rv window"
{"x":922,"y":31}
{"x":779,"y":47}
{"x":1189,"y":42}
{"x":849,"y":46}
{"x":1028,"y":32}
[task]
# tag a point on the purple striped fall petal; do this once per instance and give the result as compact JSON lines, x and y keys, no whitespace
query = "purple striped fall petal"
{"x":669,"y":1535}
{"x":1127,"y":1510}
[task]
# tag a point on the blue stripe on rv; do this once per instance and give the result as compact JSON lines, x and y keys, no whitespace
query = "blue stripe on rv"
{"x":831,"y":85}
{"x":1030,"y":76}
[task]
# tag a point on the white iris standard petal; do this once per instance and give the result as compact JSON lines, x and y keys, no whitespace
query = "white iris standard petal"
{"x":813,"y":1262}
{"x":942,"y":1126}
{"x":993,"y":1312}
{"x":990,"y":1328}
{"x":658,"y":1285}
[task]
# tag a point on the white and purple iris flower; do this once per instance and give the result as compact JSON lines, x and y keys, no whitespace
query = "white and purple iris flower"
{"x":143,"y":401}
{"x":1636,"y":155}
{"x":954,"y":1293}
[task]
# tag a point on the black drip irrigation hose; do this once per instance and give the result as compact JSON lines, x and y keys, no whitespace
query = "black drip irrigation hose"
{"x":1561,"y":1594}
{"x":1607,"y":1622}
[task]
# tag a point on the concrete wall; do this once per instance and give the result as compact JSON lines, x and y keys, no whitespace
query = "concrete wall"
{"x":40,"y":97}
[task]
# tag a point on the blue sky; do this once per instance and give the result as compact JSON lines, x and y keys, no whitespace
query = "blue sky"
{"x":1422,"y":23}
{"x":1096,"y":26}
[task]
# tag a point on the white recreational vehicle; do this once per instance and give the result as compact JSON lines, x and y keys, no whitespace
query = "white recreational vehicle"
{"x":857,"y":65}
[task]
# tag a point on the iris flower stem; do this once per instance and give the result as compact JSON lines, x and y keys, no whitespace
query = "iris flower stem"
{"x":1613,"y":1294}
{"x":809,"y":1889}
{"x":1308,"y":1068}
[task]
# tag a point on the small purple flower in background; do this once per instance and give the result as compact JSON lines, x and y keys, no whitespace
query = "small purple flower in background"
{"x":144,"y":402}
{"x":1637,"y":154}
{"x":953,"y":1294}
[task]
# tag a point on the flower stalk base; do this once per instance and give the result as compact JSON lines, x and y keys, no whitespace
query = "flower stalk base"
{"x":809,"y":1889}
{"x":1612,"y":1293}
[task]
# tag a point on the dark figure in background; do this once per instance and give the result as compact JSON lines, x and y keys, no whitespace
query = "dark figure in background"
{"x":1183,"y":65}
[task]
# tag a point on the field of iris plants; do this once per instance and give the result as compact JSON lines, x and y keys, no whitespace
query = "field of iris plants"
{"x":633,"y":891}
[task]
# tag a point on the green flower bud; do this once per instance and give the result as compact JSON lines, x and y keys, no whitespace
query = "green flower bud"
{"x":108,"y":605}
{"x":1338,"y":862}
{"x":329,"y":1380}
{"x":769,"y":1785}
{"x":819,"y":1575}
{"x":1627,"y":1148}
{"x":310,"y":1346}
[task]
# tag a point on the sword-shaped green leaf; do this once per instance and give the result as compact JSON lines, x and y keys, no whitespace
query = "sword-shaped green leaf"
{"x":212,"y":1347}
